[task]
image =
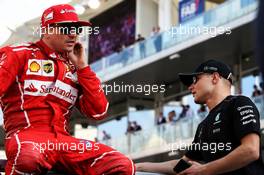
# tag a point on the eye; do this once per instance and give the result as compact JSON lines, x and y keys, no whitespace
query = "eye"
{"x":195,"y":79}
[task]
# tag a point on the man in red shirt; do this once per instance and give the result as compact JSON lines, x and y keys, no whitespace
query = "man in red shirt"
{"x":40,"y":83}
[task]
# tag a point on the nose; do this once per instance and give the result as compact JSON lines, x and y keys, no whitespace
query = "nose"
{"x":71,"y":36}
{"x":190,"y":88}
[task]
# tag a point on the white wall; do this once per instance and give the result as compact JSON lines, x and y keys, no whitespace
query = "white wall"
{"x":165,"y":14}
{"x":174,"y":12}
{"x":146,"y":16}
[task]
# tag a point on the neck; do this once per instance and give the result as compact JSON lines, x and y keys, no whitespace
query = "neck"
{"x":47,"y":43}
{"x":217,"y":97}
{"x":50,"y":46}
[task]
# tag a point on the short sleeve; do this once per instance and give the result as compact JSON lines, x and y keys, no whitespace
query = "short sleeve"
{"x":192,"y":152}
{"x":245,"y":117}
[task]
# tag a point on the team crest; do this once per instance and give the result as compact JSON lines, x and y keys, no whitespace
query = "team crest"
{"x":217,"y":119}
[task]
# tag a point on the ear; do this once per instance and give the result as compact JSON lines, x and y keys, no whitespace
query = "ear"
{"x":216,"y":77}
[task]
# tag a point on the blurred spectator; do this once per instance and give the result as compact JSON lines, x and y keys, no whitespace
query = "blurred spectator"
{"x":202,"y":112}
{"x":141,"y":46}
{"x":261,"y":85}
{"x":130,"y":128}
{"x":189,"y":112}
{"x":136,"y":126}
{"x":172,"y":117}
{"x":118,"y":32}
{"x":96,"y":139}
{"x":161,"y":119}
{"x":155,"y":31}
{"x":106,"y":136}
{"x":158,"y":30}
{"x":183,"y":112}
{"x":126,"y":53}
{"x":120,"y":48}
{"x":256,"y":91}
{"x":157,"y":38}
{"x":140,"y":38}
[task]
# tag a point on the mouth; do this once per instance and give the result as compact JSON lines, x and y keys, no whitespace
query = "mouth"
{"x":70,"y":43}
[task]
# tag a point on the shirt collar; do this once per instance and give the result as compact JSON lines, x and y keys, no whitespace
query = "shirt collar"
{"x":48,"y":51}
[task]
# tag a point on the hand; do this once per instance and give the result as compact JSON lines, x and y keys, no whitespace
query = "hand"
{"x":77,"y":56}
{"x":195,"y":169}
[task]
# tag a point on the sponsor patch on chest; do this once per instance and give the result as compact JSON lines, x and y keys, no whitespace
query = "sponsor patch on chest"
{"x":40,"y":67}
{"x":217,"y":119}
{"x":58,"y":89}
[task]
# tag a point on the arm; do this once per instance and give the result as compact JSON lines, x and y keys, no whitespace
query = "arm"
{"x":93,"y":101}
{"x":162,"y":167}
{"x":246,"y":153}
{"x":9,"y":66}
{"x":246,"y":130}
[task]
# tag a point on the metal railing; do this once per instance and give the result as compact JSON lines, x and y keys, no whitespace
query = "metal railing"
{"x":159,"y":136}
{"x":165,"y":135}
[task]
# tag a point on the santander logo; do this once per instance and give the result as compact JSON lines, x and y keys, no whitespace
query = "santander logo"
{"x":31,"y":88}
{"x":58,"y":89}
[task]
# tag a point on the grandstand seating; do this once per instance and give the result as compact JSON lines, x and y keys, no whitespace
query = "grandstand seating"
{"x":219,"y":16}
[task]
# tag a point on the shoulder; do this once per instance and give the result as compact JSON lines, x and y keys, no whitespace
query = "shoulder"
{"x":24,"y":47}
{"x":244,"y":104}
{"x":241,"y":99}
{"x":235,"y":100}
{"x":19,"y":50}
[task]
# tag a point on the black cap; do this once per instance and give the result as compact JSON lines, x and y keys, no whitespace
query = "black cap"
{"x":209,"y":66}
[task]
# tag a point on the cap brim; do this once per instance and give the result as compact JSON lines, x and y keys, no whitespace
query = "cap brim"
{"x":79,"y":23}
{"x":187,"y":78}
{"x":84,"y":23}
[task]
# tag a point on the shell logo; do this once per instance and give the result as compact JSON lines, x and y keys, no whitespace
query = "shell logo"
{"x":34,"y":67}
